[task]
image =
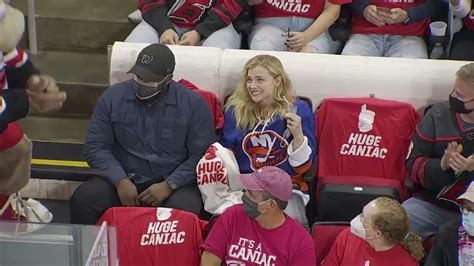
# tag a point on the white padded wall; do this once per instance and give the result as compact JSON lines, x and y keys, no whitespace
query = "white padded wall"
{"x":200,"y":65}
{"x":418,"y":82}
{"x":321,"y":76}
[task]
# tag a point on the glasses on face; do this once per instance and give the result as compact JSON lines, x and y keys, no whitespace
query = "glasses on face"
{"x":466,"y":210}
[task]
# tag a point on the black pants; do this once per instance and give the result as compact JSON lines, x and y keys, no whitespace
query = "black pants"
{"x":94,"y":197}
{"x":462,"y":46}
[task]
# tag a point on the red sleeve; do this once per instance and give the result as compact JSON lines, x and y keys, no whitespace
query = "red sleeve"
{"x":336,"y":253}
{"x":216,"y":241}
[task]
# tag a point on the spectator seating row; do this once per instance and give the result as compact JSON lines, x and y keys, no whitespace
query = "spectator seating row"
{"x":419,"y":82}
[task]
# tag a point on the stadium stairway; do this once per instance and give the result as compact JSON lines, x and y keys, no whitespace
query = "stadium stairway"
{"x":72,"y":39}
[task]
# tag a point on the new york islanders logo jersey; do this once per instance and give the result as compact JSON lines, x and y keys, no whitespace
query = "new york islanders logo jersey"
{"x":265,"y":148}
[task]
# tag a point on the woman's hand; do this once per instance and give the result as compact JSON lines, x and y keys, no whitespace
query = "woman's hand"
{"x":293,"y":123}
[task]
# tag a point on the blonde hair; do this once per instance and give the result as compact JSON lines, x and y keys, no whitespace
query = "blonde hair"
{"x":392,"y":221}
{"x":466,"y":73}
{"x":246,"y":111}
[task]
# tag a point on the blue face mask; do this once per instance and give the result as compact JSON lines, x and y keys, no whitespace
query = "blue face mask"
{"x":468,"y":222}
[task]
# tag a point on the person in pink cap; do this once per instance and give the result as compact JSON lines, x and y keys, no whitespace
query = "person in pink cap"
{"x":258,"y":232}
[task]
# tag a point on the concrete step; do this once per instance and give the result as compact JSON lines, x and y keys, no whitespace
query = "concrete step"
{"x":84,"y":76}
{"x":73,"y":67}
{"x":53,"y":129}
{"x":86,"y":25}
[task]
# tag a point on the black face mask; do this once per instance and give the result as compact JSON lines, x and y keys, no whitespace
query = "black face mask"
{"x":145,"y":92}
{"x":250,"y":207}
{"x":459,"y":106}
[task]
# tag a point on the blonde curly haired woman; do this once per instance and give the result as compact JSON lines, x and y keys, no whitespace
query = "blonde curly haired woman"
{"x":378,"y":236}
{"x":265,"y":125}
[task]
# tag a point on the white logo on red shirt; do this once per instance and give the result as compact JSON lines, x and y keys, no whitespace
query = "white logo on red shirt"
{"x":366,"y":119}
{"x":364,"y":145}
{"x":251,"y":251}
{"x":295,"y":6}
{"x":162,"y":232}
{"x":163,"y":214}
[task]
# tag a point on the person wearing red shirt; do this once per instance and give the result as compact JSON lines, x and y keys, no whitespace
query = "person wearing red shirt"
{"x":390,"y":28}
{"x":258,"y":232}
{"x":463,"y":41}
{"x":378,"y":236}
{"x":296,"y":26}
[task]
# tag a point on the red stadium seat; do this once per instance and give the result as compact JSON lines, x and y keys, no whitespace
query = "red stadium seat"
{"x":324,"y":234}
{"x":362,"y":146}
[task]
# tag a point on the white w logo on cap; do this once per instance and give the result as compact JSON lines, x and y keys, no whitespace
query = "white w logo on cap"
{"x":146,"y":59}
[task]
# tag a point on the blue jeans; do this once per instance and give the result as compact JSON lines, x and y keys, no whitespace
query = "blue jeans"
{"x":267,"y":35}
{"x":225,"y":38}
{"x":425,"y":218}
{"x":386,"y":46}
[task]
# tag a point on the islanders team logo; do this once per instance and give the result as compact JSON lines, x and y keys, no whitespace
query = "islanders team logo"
{"x":265,"y":148}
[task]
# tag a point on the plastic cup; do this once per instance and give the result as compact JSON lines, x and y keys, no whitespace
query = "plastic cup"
{"x":438,"y":28}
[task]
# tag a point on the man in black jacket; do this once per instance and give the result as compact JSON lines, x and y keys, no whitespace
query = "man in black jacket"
{"x":454,"y":244}
{"x":214,"y":23}
{"x":442,"y":154}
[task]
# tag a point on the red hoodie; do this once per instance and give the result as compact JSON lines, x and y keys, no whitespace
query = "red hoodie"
{"x":212,"y":101}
